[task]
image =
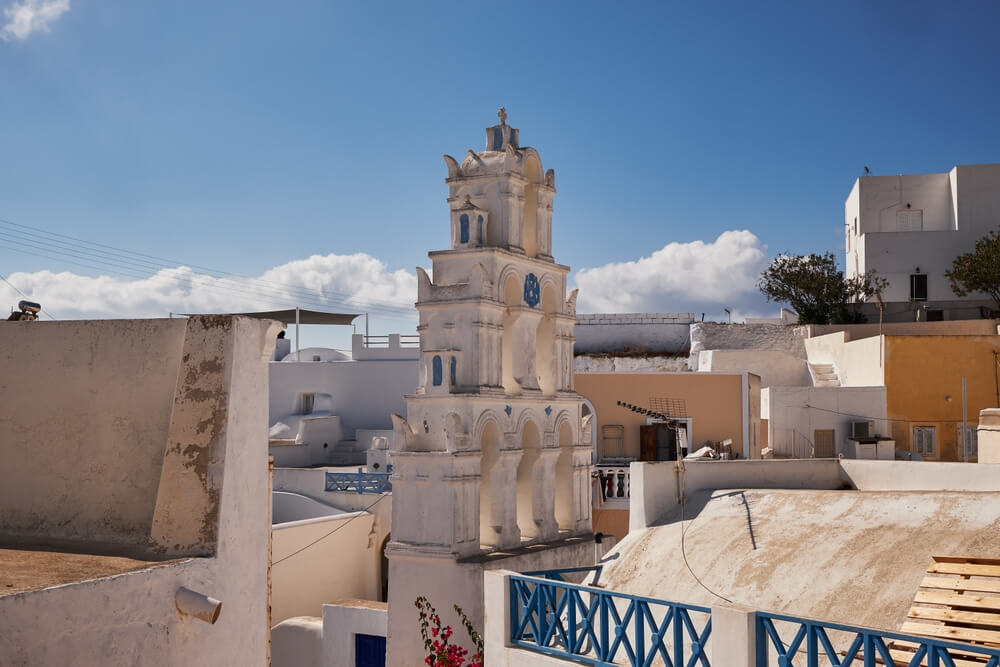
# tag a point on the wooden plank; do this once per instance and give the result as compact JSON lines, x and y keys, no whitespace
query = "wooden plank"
{"x":966,"y":559}
{"x":991,"y":637}
{"x":976,"y":569}
{"x":963,"y":601}
{"x":959,"y":584}
{"x":955,"y":616}
{"x":904,"y":657}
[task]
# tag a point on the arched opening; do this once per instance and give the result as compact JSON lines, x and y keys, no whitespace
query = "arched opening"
{"x":530,"y":443}
{"x":490,"y":521}
{"x":511,"y":297}
{"x":564,"y":478}
{"x":546,"y":357}
{"x":384,"y":570}
{"x":529,"y":218}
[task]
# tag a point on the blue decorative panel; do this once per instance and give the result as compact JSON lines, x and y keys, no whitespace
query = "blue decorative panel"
{"x":463,"y":229}
{"x":532,"y":291}
{"x":437,"y":370}
{"x":508,"y":410}
{"x":369,"y":651}
{"x":548,"y":410}
{"x":479,"y":229}
{"x":497,"y":138}
{"x":454,"y":371}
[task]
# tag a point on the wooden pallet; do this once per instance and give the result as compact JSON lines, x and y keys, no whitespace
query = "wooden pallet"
{"x":958,"y":600}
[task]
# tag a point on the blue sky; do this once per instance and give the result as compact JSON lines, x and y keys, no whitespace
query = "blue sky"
{"x":246,"y":137}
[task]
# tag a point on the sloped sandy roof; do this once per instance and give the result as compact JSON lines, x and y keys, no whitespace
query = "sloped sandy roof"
{"x":854,"y":557}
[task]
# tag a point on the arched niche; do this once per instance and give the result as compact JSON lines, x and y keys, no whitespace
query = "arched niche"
{"x":564,"y":478}
{"x":490,"y":521}
{"x":529,"y":217}
{"x":546,"y":352}
{"x":526,"y":491}
{"x":512,"y":296}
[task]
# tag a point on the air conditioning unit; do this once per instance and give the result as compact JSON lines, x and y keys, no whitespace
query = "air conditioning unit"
{"x":864,"y":430}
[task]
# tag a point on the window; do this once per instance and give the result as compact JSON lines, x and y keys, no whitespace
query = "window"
{"x":970,"y":442}
{"x":463,"y":229}
{"x":823,"y":440}
{"x":304,"y":404}
{"x":453,"y":374}
{"x":910,"y":220}
{"x":479,"y":229}
{"x":437,"y":370}
{"x":925,"y":441}
{"x":918,"y":287}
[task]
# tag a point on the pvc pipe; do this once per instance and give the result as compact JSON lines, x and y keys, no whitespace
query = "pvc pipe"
{"x":200,"y":606}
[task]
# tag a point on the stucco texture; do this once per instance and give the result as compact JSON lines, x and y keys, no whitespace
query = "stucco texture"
{"x":852,"y":557}
{"x":84,"y":414}
{"x":922,"y":372}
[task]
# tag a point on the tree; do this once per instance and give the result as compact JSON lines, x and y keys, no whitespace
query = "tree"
{"x":817,"y":290}
{"x":979,"y":270}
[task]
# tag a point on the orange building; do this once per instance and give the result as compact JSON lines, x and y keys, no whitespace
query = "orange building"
{"x":712,"y":407}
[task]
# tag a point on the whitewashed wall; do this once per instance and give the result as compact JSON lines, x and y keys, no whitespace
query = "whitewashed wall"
{"x":652,"y":332}
{"x":718,"y":336}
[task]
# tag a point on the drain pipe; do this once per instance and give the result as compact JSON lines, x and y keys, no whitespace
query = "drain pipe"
{"x":198,"y":605}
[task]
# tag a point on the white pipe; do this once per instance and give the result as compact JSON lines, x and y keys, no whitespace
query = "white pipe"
{"x":297,"y":334}
{"x":200,"y":606}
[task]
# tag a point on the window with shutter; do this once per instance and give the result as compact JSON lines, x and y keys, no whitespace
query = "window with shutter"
{"x":925,"y":441}
{"x":970,"y":441}
{"x":910,"y":220}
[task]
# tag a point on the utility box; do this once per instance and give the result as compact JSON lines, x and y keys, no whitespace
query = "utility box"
{"x":882,"y":450}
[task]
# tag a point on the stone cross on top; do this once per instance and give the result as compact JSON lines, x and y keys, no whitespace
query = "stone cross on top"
{"x":502,"y":114}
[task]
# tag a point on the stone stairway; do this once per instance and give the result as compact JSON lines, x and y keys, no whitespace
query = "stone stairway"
{"x":824,"y":375}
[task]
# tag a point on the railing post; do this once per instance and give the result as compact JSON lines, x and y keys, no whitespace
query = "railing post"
{"x":500,"y":615}
{"x":737,"y":640}
{"x":812,"y":646}
{"x":678,"y":626}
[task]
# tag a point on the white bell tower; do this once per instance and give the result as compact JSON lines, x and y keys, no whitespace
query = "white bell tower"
{"x":490,"y":459}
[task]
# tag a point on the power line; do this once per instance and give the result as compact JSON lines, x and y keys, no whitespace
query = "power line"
{"x":80,"y":252}
{"x":323,"y":537}
{"x":23,"y":294}
{"x":886,"y":419}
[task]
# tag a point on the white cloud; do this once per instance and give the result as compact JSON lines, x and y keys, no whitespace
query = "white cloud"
{"x":345,"y":283}
{"x":682,"y":277}
{"x":28,"y":16}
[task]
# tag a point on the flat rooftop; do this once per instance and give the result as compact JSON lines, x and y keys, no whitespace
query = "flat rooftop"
{"x":849,"y":556}
{"x":33,"y":568}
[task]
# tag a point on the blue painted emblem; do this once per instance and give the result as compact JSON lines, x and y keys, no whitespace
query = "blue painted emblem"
{"x":532,"y":292}
{"x":548,"y":410}
{"x":508,"y":410}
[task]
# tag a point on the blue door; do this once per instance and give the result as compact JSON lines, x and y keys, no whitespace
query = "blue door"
{"x":369,"y":651}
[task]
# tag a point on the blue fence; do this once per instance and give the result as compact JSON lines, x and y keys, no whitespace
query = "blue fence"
{"x":596,"y":626}
{"x":359,"y":482}
{"x":811,"y":641}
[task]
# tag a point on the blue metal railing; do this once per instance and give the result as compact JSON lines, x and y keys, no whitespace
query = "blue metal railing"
{"x":359,"y":482}
{"x":866,"y":646}
{"x":559,"y":575}
{"x":596,"y":626}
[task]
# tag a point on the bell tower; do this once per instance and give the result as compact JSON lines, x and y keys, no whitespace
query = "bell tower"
{"x":490,"y":459}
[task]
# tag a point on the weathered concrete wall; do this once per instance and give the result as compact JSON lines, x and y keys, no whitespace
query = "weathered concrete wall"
{"x":614,"y":332}
{"x":618,"y":364}
{"x":132,"y":618}
{"x":989,"y":435}
{"x":949,"y":328}
{"x":84,"y":413}
{"x":717,"y":336}
{"x":776,"y":369}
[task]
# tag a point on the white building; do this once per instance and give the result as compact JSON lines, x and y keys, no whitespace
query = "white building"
{"x":909,"y":228}
{"x":490,"y":465}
